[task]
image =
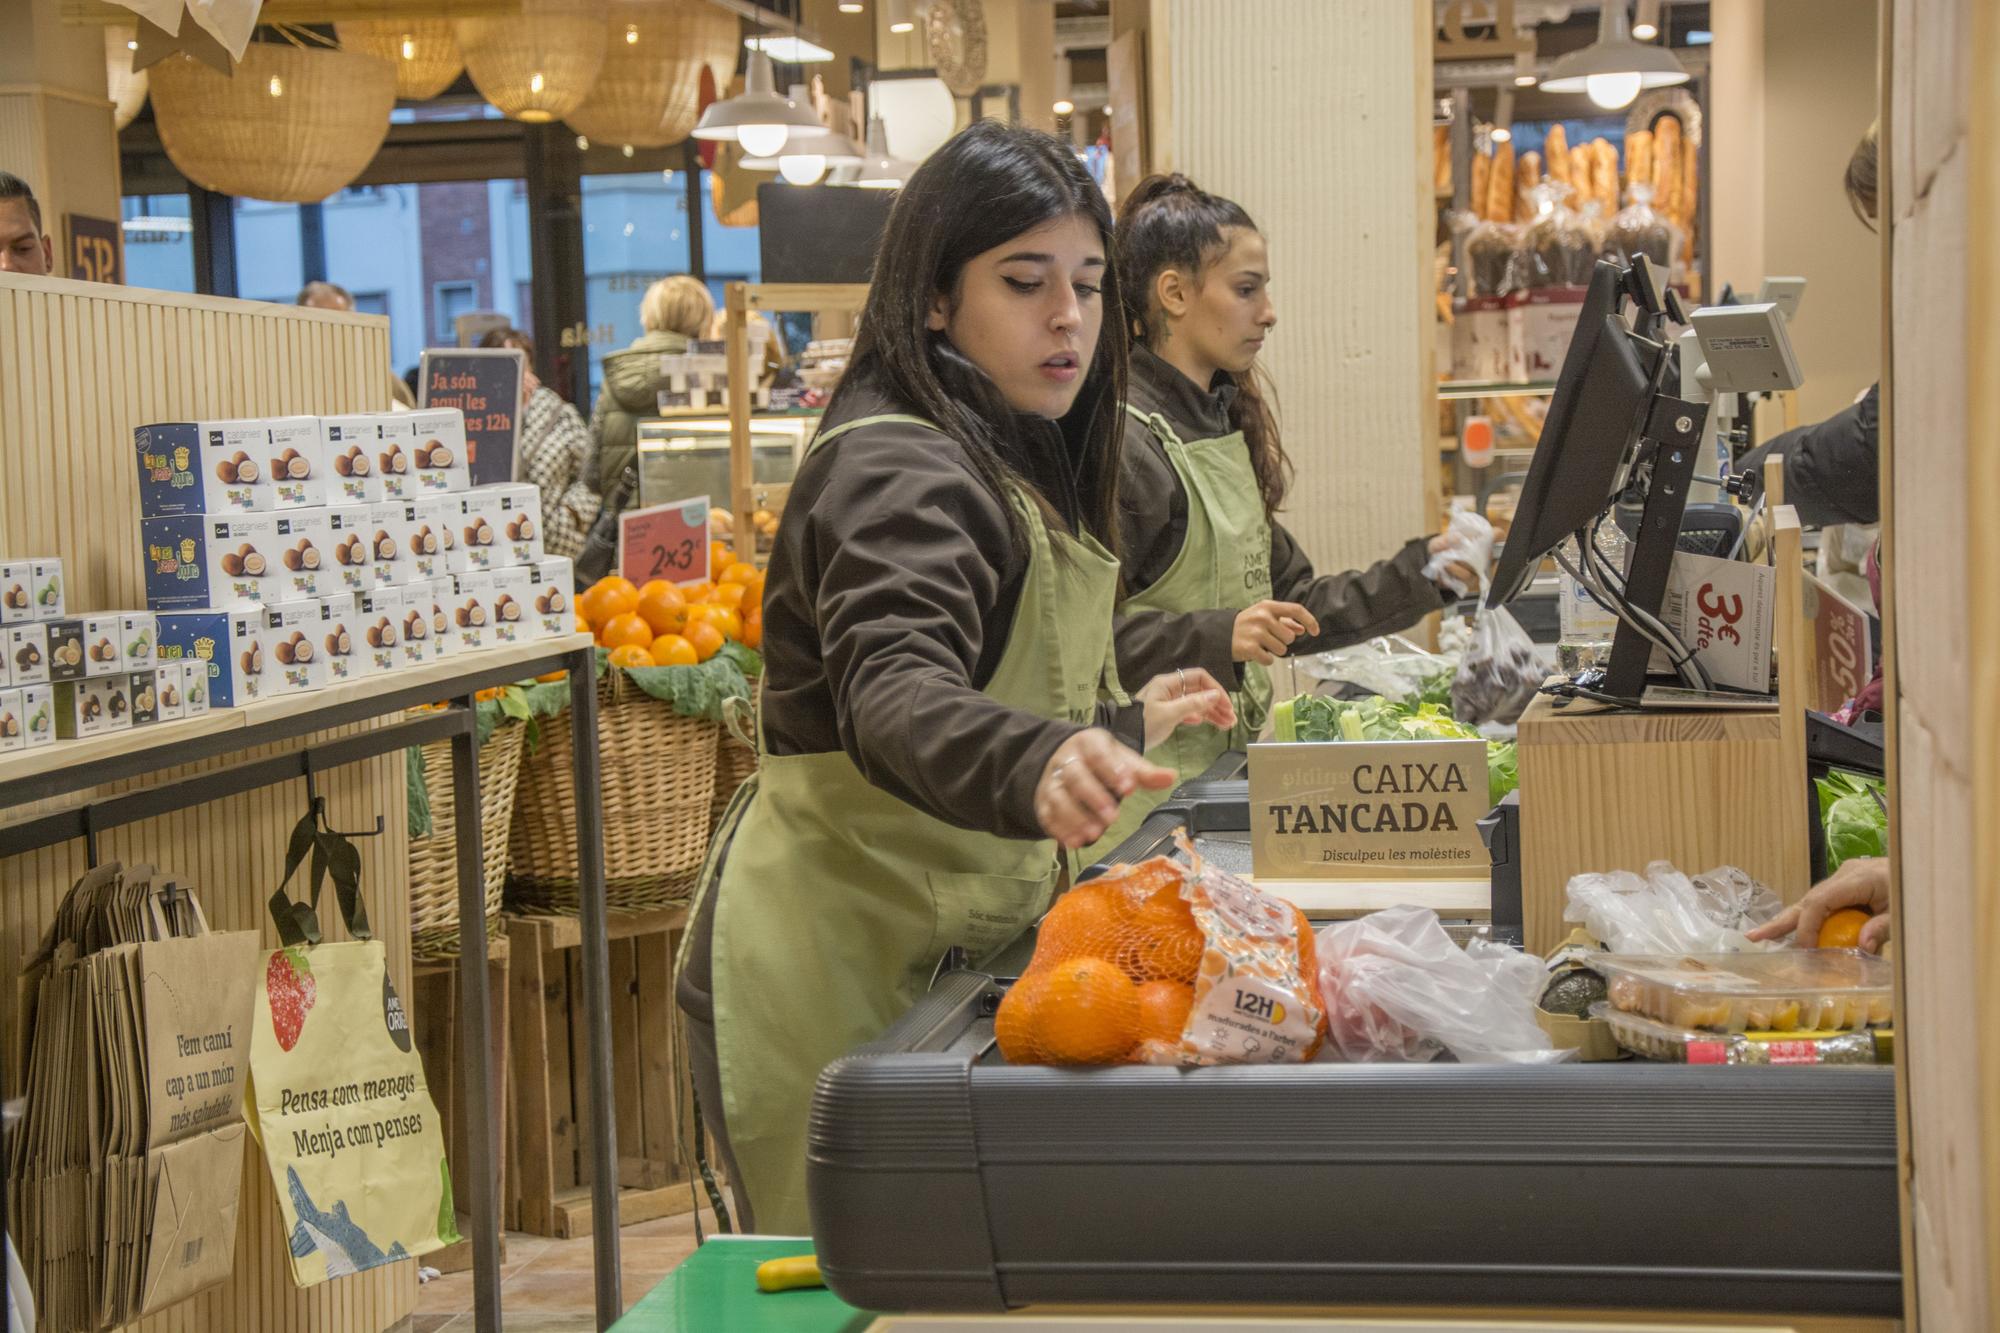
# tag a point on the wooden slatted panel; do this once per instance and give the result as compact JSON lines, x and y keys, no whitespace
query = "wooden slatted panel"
{"x":80,"y":367}
{"x":1315,"y":118}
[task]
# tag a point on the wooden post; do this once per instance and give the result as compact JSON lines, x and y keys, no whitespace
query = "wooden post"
{"x":736,"y":329}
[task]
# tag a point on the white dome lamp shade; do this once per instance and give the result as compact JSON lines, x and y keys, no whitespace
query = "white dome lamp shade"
{"x":757,"y":118}
{"x":879,"y":171}
{"x":807,"y":154}
{"x":1613,"y":70}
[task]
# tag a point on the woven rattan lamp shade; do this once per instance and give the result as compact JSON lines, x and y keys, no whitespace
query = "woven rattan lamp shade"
{"x":293,"y":125}
{"x":537,"y":65}
{"x":125,"y":87}
{"x":649,"y":92}
{"x":424,"y":52}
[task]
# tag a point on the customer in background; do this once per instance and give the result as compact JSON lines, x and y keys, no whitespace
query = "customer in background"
{"x":551,"y":449}
{"x":332,"y":296}
{"x":674,"y":313}
{"x":24,"y":246}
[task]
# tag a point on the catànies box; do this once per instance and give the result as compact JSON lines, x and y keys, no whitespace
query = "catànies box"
{"x":202,"y":560}
{"x":472,"y":610}
{"x":351,"y":447}
{"x":294,"y":661}
{"x":353,"y":550}
{"x":431,"y":524}
{"x":307,"y":565}
{"x":67,"y":657}
{"x":143,"y":691}
{"x":440,"y":595}
{"x":514,"y":618}
{"x":419,"y":608}
{"x":502,"y":526}
{"x":389,"y":539}
{"x":552,"y":581}
{"x":342,"y":637}
{"x":170,"y":691}
{"x":137,"y":633}
{"x":194,"y":688}
{"x":222,"y":652}
{"x":437,"y":451}
{"x":13,"y":721}
{"x":30,"y":590}
{"x":104,"y":645}
{"x":94,"y":707}
{"x":39,"y":707}
{"x":205,"y":467}
{"x":379,"y":613}
{"x":27,"y":650}
{"x":298,"y":469}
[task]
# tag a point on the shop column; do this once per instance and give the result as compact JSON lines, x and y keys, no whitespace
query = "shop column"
{"x":56,"y":130}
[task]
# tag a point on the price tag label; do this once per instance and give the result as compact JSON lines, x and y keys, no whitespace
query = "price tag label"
{"x":668,"y":541}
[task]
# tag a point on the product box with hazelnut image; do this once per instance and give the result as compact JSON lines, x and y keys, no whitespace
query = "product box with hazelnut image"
{"x":13,"y":721}
{"x":104,"y":644}
{"x":294,"y":659}
{"x":514,"y":619}
{"x":297,"y":463}
{"x":436,"y":441}
{"x":389,"y":539}
{"x":27,"y":649}
{"x":306,"y":564}
{"x":379,"y":615}
{"x":431,"y":526}
{"x":67,"y":658}
{"x":204,"y":467}
{"x":95,"y":707}
{"x":472,"y":610}
{"x":143,"y":691}
{"x":221,"y":651}
{"x":416,"y":635}
{"x":350,"y":447}
{"x":39,"y":707}
{"x":343,"y":638}
{"x":500,"y":526}
{"x":552,"y":580}
{"x":195,"y":561}
{"x":30,"y":590}
{"x":137,"y":632}
{"x":169,"y":691}
{"x":353,"y":549}
{"x":439,"y":595}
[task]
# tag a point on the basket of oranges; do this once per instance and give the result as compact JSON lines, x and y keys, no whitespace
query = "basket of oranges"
{"x":672,"y":657}
{"x":433,"y":847}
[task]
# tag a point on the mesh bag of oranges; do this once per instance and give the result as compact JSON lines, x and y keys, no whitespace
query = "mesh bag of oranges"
{"x":1166,"y":963}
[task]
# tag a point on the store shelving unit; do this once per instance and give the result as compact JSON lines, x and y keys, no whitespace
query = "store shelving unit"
{"x":54,"y":795}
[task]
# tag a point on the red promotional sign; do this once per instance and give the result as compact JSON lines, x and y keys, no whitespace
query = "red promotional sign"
{"x":668,"y":541}
{"x":1843,"y":659}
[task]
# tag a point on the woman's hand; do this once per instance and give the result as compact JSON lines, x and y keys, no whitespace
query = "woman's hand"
{"x":1187,"y":698}
{"x":1862,"y":882}
{"x":1469,"y":580}
{"x":1085,"y":779}
{"x":1266,"y":631}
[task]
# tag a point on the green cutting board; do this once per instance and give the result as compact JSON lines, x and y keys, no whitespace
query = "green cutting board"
{"x":715,"y":1288}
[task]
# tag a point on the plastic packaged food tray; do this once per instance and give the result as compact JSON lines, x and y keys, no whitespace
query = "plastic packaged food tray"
{"x":1651,"y":1039}
{"x":1785,"y":990}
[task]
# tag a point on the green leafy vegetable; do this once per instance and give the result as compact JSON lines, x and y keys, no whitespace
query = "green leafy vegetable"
{"x":1313,"y":717}
{"x":1853,"y":817}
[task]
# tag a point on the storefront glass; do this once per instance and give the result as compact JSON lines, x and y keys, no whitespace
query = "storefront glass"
{"x":635,"y":232}
{"x":159,"y":242}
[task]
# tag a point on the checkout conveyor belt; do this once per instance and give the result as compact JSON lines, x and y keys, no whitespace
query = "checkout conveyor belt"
{"x":943,"y":1179}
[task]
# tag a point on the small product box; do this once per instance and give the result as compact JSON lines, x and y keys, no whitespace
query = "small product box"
{"x":205,"y":467}
{"x":379,"y":613}
{"x":417,"y":648}
{"x":196,"y":560}
{"x":143,"y":690}
{"x":30,"y":590}
{"x":104,"y":645}
{"x":353,"y":551}
{"x":553,"y":581}
{"x":437,"y":451}
{"x":221,"y":651}
{"x":514,"y":618}
{"x":394,"y":461}
{"x":39,"y":708}
{"x":137,"y":633}
{"x":67,"y":658}
{"x":297,"y":464}
{"x":27,"y":649}
{"x":502,"y":525}
{"x":13,"y":721}
{"x":349,"y":445}
{"x":389,"y":539}
{"x":6,"y":669}
{"x":194,"y":688}
{"x":170,"y":691}
{"x":293,"y":659}
{"x":95,"y":707}
{"x":342,"y":638}
{"x":472,"y":610}
{"x":440,"y":595}
{"x":432,"y":523}
{"x":307,"y":567}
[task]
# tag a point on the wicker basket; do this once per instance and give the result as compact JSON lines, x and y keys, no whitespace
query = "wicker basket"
{"x":434,"y":858}
{"x":657,"y":779}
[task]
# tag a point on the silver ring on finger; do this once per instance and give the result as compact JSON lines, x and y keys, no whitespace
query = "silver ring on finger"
{"x":1181,"y":672}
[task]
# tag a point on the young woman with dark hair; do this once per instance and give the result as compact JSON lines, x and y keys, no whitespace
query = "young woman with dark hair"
{"x":1212,"y":579}
{"x":937,"y":634}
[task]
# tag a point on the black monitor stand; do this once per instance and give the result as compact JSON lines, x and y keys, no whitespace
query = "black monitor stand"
{"x":1668,"y":450}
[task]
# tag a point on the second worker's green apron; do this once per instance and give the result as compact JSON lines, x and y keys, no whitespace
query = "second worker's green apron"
{"x":837,"y":900}
{"x":1224,"y":564}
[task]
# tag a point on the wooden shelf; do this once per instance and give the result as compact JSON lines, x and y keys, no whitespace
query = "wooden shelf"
{"x":1454,"y":389}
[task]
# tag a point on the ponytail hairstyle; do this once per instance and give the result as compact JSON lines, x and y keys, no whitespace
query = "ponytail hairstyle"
{"x":1170,"y":222}
{"x":983,"y":187}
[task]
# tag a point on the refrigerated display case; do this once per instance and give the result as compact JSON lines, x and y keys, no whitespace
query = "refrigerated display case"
{"x":682,"y":457}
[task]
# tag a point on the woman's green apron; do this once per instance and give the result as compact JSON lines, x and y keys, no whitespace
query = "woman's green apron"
{"x":1225,"y":563}
{"x":837,"y":900}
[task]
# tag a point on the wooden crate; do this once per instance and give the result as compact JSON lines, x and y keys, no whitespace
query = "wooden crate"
{"x":434,"y":1022}
{"x":548,"y":1187}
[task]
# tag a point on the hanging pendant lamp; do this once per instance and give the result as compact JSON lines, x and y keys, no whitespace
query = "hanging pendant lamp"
{"x":757,"y":117}
{"x":124,"y":85}
{"x":538,"y":65}
{"x":1614,"y":69}
{"x":649,"y":92}
{"x":879,"y":171}
{"x":424,"y":52}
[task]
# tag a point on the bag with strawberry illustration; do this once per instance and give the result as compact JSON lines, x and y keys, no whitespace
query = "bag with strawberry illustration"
{"x":337,"y":1090}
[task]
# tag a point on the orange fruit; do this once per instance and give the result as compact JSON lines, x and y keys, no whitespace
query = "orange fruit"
{"x":1084,"y":922}
{"x":720,"y":557}
{"x":698,"y":591}
{"x":757,"y":586}
{"x":631,"y":655}
{"x":706,"y":640}
{"x":1165,"y":942}
{"x":609,"y":596}
{"x":729,"y":622}
{"x":1308,"y":950}
{"x":737,"y":571}
{"x":1086,"y":1014}
{"x":549,"y":677}
{"x":626,"y":630}
{"x":1164,"y":1007}
{"x":662,"y":607}
{"x":753,"y":630}
{"x":673,"y":650}
{"x":1014,"y":1021}
{"x":582,"y":625}
{"x":1842,"y":930}
{"x":728,"y":594}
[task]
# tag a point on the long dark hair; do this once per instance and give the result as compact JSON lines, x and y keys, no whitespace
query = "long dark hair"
{"x":1170,"y":222}
{"x":984,"y":186}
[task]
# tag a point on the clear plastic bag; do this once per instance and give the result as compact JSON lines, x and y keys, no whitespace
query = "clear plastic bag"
{"x":1640,"y":229}
{"x":1390,"y":666}
{"x":1500,"y":673}
{"x":1397,"y":988}
{"x":1470,"y":542}
{"x":1666,"y":912}
{"x":1499,"y":264}
{"x":1558,"y":248}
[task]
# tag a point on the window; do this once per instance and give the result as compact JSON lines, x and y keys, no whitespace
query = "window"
{"x":450,"y":300}
{"x":159,"y":242}
{"x":269,"y":266}
{"x":635,"y":232}
{"x":372,"y":303}
{"x":728,"y":254}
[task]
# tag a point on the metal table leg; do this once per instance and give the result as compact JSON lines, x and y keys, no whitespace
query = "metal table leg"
{"x":596,"y":984}
{"x":475,"y":1029}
